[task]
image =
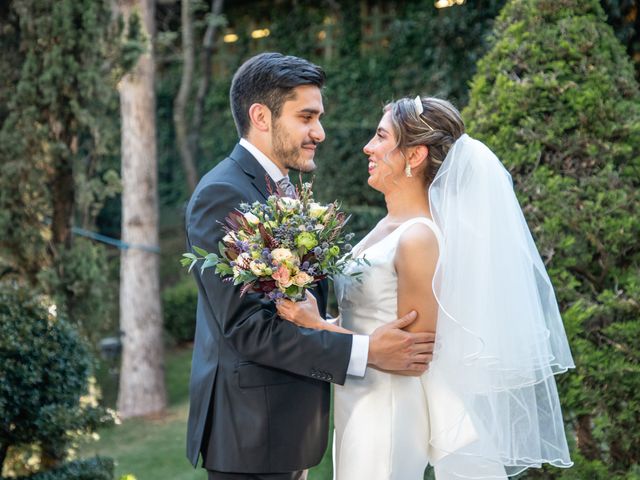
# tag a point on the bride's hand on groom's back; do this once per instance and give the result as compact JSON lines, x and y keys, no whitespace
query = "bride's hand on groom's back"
{"x":395,"y":350}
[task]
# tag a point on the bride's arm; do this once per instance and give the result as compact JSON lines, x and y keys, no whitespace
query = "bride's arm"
{"x":415,"y":263}
{"x":306,"y":314}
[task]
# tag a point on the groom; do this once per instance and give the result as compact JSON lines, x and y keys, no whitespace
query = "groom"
{"x":259,"y":385}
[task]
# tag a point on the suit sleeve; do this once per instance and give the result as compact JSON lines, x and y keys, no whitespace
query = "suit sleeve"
{"x":250,"y":323}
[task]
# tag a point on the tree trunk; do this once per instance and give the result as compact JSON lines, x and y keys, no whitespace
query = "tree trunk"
{"x":586,"y":443}
{"x":142,"y":387}
{"x":4,"y":448}
{"x":62,"y":192}
{"x":180,"y":103}
{"x":63,"y":206}
{"x":208,"y":44}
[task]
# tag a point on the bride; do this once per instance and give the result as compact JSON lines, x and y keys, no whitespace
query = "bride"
{"x":454,"y":246}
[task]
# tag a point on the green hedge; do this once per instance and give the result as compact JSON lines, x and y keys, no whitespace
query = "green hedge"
{"x":557,"y":100}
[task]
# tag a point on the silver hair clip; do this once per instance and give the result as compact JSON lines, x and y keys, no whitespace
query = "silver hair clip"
{"x":417,"y":103}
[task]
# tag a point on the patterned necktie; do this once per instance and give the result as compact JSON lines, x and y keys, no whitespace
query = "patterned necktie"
{"x":286,"y":188}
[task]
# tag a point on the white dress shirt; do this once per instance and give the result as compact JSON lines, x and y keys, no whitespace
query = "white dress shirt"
{"x":360,"y":344}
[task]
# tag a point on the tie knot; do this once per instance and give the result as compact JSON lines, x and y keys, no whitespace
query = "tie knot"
{"x":286,"y":188}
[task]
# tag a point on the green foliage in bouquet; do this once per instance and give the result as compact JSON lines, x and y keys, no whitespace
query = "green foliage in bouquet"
{"x":557,"y":101}
{"x":281,"y":247}
{"x":44,"y":375}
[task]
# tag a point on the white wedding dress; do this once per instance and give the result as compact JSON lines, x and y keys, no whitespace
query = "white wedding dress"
{"x":488,"y":407}
{"x":389,"y":427}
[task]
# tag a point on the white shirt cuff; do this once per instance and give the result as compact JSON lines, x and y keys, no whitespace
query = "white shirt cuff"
{"x":359,"y":355}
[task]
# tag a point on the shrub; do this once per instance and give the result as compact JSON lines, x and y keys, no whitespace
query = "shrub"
{"x":556,"y":99}
{"x":179,"y":309}
{"x":44,"y":370}
{"x":97,"y":468}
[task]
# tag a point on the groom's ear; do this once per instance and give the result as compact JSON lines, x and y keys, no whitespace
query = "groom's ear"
{"x":260,"y":117}
{"x":418,"y":155}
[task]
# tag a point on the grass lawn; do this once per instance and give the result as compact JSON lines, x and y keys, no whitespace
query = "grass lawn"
{"x":154,"y":449}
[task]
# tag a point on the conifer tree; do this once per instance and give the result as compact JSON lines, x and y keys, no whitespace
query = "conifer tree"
{"x":56,"y":129}
{"x":556,"y":98}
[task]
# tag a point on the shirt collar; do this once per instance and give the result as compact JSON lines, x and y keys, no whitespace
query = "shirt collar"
{"x":270,"y":167}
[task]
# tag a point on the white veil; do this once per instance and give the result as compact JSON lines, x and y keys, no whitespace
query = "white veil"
{"x":500,"y":338}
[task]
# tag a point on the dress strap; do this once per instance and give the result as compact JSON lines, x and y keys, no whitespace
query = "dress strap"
{"x":425,"y":221}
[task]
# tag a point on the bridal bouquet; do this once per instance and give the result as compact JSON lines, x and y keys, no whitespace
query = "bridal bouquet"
{"x":280,"y":248}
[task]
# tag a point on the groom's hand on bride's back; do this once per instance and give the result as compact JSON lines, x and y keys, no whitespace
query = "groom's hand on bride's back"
{"x":395,"y":350}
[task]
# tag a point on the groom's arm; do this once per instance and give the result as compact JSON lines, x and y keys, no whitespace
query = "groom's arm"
{"x":250,"y":323}
{"x":390,"y":347}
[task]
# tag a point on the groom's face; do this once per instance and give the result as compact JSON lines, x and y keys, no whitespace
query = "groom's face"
{"x":297,"y":131}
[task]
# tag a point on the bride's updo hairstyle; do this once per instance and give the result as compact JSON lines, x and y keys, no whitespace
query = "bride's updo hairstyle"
{"x":428,"y":121}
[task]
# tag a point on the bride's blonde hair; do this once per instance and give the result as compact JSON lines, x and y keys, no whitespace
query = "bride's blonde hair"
{"x":437,"y":127}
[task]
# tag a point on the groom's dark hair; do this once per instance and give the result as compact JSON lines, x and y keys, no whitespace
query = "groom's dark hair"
{"x":269,"y":79}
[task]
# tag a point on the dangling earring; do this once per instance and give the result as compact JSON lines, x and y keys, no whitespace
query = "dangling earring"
{"x":407,"y":170}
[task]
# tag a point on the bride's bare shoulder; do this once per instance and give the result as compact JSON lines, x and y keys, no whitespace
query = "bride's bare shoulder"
{"x":415,"y":262}
{"x":418,"y":235}
{"x":417,"y":243}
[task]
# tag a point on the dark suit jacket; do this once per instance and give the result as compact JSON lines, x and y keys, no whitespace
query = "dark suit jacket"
{"x":259,"y":391}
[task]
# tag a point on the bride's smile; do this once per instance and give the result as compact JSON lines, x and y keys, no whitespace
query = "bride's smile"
{"x":385,"y":160}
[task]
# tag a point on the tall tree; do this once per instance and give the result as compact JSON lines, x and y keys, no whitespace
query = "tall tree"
{"x":215,"y":21}
{"x":180,"y":103}
{"x":57,"y":95}
{"x":56,"y":133}
{"x":142,"y":387}
{"x":187,"y":136}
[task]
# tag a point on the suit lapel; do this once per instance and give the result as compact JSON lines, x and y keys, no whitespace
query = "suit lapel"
{"x":251,"y":167}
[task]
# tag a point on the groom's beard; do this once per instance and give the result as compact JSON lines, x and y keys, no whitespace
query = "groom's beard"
{"x":290,"y":155}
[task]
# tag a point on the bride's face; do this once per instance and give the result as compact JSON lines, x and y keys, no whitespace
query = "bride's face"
{"x":386,"y":163}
